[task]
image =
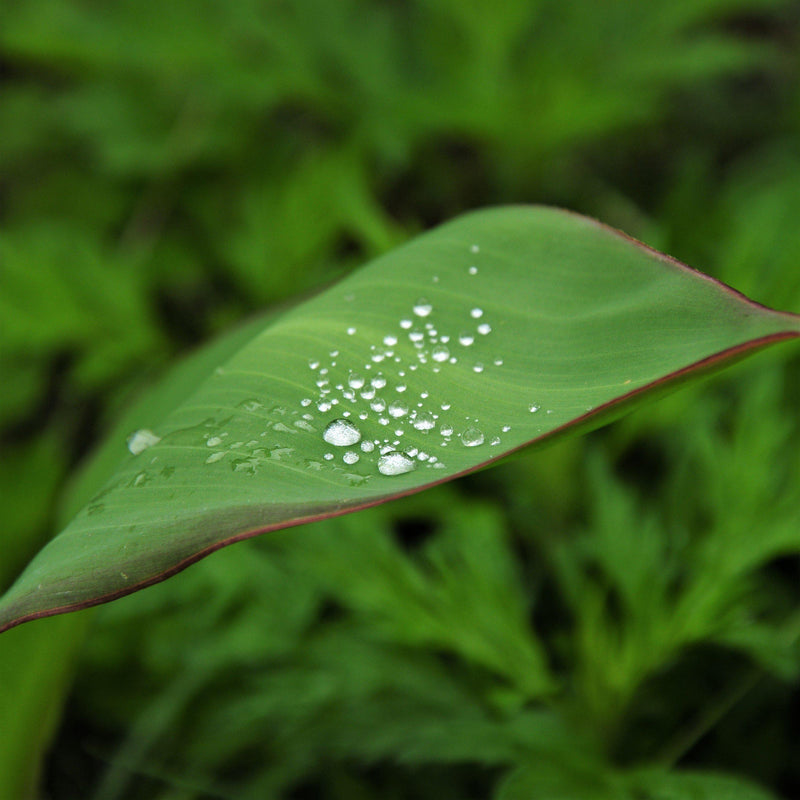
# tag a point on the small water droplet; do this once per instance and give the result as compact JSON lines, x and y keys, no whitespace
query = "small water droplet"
{"x":495,"y":441}
{"x":378,"y":404}
{"x":214,"y":457}
{"x":446,"y":429}
{"x":476,"y":313}
{"x":351,"y":331}
{"x":214,"y":441}
{"x":416,"y":336}
{"x":397,"y":409}
{"x":445,"y":406}
{"x":367,"y":446}
{"x":424,"y":421}
{"x":498,"y":362}
{"x":474,"y":249}
{"x":533,"y":408}
{"x":478,"y":367}
{"x":484,"y":328}
{"x":313,"y":363}
{"x":324,"y":405}
{"x":142,"y":439}
{"x":306,"y":401}
{"x":389,"y":340}
{"x":368,"y":393}
{"x":303,"y":425}
{"x":422,"y":308}
{"x":405,"y":324}
{"x":378,"y":381}
{"x":341,"y":433}
{"x":473,"y":270}
{"x":401,"y":387}
{"x":395,"y":463}
{"x":440,"y":353}
{"x":472,"y":437}
{"x":350,"y":457}
{"x":355,"y":381}
{"x":328,"y":456}
{"x":506,"y":428}
{"x":466,"y":339}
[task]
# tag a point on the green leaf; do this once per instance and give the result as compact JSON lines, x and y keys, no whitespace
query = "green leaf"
{"x":551,"y":323}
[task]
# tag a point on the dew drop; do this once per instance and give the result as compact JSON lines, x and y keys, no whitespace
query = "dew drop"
{"x":389,"y":340}
{"x":476,"y":313}
{"x":341,"y":433}
{"x":506,"y":428}
{"x":395,"y":463}
{"x":422,"y":308}
{"x":306,"y":401}
{"x":533,"y":408}
{"x":378,"y":405}
{"x":355,"y":381}
{"x":405,"y":324}
{"x":474,"y":249}
{"x":367,"y":446}
{"x":446,"y":430}
{"x":472,"y":437}
{"x":397,"y":409}
{"x":401,"y":387}
{"x":498,"y":362}
{"x":416,"y":336}
{"x":473,"y":270}
{"x":324,"y":405}
{"x":378,"y":381}
{"x":478,"y":367}
{"x":440,"y":353}
{"x":484,"y":328}
{"x":424,"y":421}
{"x":350,"y":457}
{"x":466,"y":339}
{"x":328,"y":456}
{"x":351,"y":331}
{"x":368,"y":393}
{"x":142,"y":439}
{"x":313,"y":363}
{"x":445,"y":406}
{"x":495,"y":441}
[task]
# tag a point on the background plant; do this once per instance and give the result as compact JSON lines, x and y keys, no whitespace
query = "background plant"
{"x":170,"y":168}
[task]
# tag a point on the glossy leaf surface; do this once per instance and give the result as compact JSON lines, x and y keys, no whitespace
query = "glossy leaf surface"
{"x":500,"y":329}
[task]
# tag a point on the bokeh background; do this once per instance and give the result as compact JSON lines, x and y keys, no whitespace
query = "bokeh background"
{"x":615,"y":617}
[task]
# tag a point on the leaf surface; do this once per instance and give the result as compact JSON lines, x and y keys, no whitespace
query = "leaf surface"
{"x":500,"y":329}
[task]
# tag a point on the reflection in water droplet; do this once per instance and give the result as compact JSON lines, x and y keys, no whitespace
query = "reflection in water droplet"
{"x":422,"y":307}
{"x":341,"y":433}
{"x":472,"y":437}
{"x":395,"y":463}
{"x":141,"y":440}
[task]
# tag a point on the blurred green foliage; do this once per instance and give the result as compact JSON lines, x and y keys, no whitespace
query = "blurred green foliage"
{"x":616,"y":617}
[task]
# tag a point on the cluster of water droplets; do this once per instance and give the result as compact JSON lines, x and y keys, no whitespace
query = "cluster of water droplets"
{"x":377,"y":411}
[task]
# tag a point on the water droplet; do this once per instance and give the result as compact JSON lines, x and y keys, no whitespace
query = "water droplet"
{"x":440,"y":353}
{"x":142,"y":439}
{"x":478,"y":367}
{"x":445,"y":406}
{"x":214,"y":457}
{"x":498,"y":362}
{"x":350,"y":457}
{"x":533,"y":408}
{"x":367,"y":446}
{"x":303,"y":425}
{"x":368,"y":393}
{"x":484,"y":328}
{"x":422,"y":307}
{"x":506,"y":428}
{"x":313,"y":363}
{"x":416,"y":336}
{"x":476,"y":313}
{"x":474,"y":249}
{"x":324,"y":405}
{"x":341,"y":433}
{"x":397,"y":409}
{"x":472,"y":437}
{"x":424,"y":421}
{"x":306,"y":401}
{"x":495,"y":441}
{"x":401,"y":387}
{"x":473,"y":270}
{"x":378,"y":381}
{"x":466,"y":339}
{"x":351,"y":331}
{"x":355,"y":381}
{"x":395,"y":463}
{"x":389,"y":340}
{"x":214,"y":441}
{"x":378,"y":404}
{"x":328,"y":456}
{"x":405,"y":324}
{"x":446,"y":430}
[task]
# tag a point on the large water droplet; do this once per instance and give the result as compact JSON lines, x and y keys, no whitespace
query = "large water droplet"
{"x":424,"y":421}
{"x":440,"y":353}
{"x":422,"y":307}
{"x":397,"y":409}
{"x":472,"y":437}
{"x":395,"y":463}
{"x":142,"y":439}
{"x":341,"y":433}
